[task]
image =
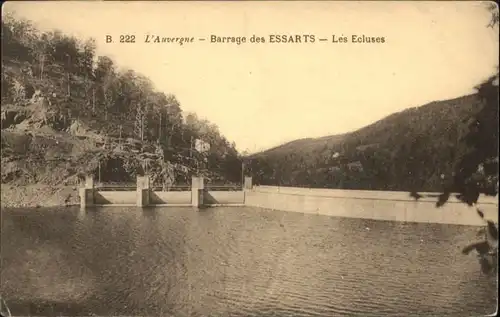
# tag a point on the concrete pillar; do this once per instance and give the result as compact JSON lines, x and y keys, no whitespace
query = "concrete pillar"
{"x":89,"y":181}
{"x":146,"y":191}
{"x":143,"y":191}
{"x":87,"y":192}
{"x":139,"y":185}
{"x":248,"y":183}
{"x":197,"y":191}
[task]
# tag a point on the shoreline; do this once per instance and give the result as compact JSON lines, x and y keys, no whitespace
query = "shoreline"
{"x":38,"y":195}
{"x":44,"y":195}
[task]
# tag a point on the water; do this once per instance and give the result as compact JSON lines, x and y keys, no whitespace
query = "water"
{"x":235,"y":262}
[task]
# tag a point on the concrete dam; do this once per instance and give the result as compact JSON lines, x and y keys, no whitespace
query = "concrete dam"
{"x":377,"y":205}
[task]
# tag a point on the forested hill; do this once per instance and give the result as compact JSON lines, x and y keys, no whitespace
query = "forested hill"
{"x":67,"y":112}
{"x":416,"y":149}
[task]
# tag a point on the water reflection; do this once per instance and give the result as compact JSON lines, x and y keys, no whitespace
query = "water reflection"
{"x":235,"y":262}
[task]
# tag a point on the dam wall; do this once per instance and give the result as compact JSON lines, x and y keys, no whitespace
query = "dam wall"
{"x":165,"y":198}
{"x":114,"y":198}
{"x":378,"y":205}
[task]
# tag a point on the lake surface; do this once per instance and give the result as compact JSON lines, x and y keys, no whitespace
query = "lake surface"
{"x":235,"y":262}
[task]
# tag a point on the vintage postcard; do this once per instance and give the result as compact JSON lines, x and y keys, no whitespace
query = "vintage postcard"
{"x":249,"y":158}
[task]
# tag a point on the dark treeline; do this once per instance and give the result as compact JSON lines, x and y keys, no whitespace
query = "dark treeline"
{"x":419,"y":149}
{"x":79,"y":88}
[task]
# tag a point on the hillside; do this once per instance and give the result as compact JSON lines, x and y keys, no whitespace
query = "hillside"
{"x":67,"y":112}
{"x":416,"y":149}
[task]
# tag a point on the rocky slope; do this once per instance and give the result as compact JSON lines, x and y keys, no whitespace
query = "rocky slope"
{"x":67,"y":112}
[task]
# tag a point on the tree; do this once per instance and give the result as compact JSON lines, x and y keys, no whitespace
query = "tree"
{"x":105,"y":84}
{"x":173,"y":120}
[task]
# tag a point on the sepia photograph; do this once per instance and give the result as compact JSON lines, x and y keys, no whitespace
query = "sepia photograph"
{"x":249,"y":158}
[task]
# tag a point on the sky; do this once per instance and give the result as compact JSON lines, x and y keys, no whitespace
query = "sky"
{"x":264,"y":94}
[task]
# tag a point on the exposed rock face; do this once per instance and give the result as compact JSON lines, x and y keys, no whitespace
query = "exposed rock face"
{"x":64,"y":118}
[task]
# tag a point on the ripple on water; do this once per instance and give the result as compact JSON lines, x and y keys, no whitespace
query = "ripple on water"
{"x":236,"y":262}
